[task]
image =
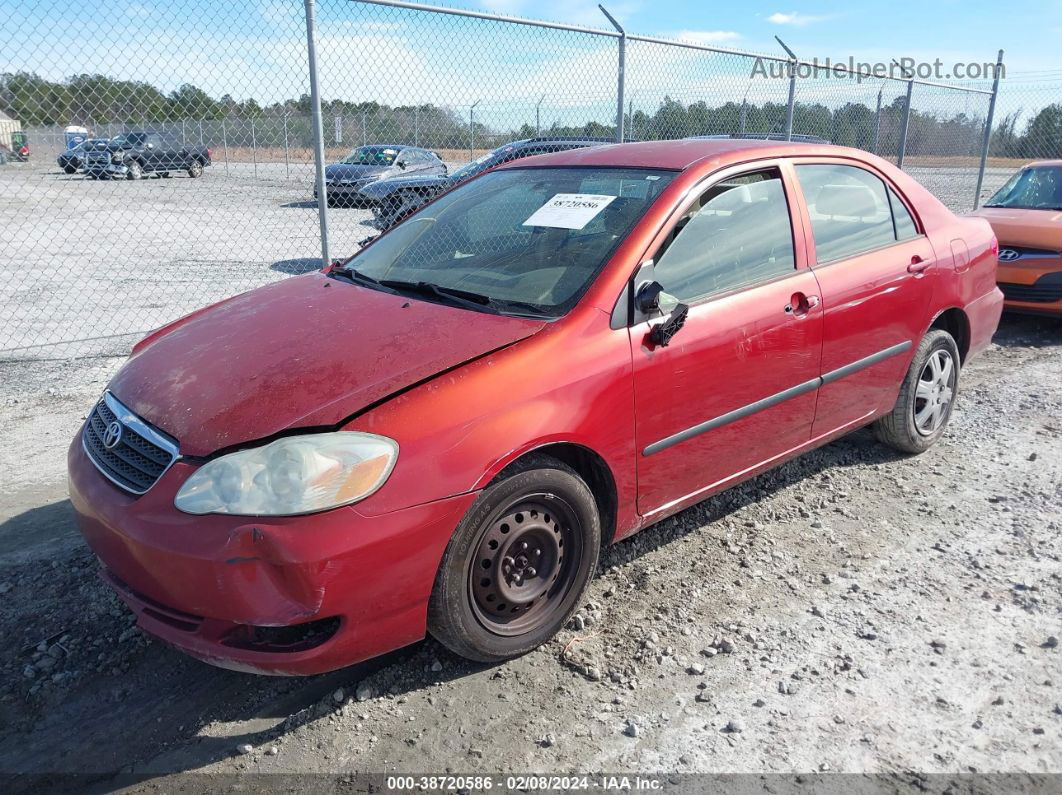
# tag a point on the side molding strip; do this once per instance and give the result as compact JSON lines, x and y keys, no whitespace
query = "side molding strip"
{"x":863,"y":364}
{"x":775,"y":399}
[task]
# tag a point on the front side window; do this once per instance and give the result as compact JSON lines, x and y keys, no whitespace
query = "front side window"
{"x":739,"y":232}
{"x":371,"y":156}
{"x":1034,"y":188}
{"x":535,"y":236}
{"x":849,"y":209}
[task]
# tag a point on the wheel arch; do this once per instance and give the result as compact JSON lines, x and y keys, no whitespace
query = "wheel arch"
{"x":588,"y":464}
{"x":955,"y":322}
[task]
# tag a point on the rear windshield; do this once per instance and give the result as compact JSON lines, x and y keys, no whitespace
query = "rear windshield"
{"x":371,"y":156}
{"x":1036,"y":188}
{"x":533,"y":236}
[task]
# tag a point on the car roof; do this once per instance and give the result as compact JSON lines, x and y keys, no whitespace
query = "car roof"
{"x":1039,"y":163}
{"x":682,"y":154}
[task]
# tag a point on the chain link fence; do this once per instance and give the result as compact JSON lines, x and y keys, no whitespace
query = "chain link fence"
{"x":197,"y":178}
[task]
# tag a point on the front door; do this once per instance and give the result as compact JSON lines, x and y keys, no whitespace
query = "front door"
{"x":736,"y":386}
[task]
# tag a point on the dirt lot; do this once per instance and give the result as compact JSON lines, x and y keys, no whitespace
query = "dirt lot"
{"x":852,"y":611}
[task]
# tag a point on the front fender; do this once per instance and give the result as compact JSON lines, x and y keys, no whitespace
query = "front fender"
{"x":570,"y":383}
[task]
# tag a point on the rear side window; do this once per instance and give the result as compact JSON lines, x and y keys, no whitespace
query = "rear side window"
{"x":905,"y":225}
{"x":738,"y":233}
{"x":849,"y":208}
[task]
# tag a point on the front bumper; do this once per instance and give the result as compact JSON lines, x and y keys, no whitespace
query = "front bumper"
{"x":113,"y":169}
{"x":203,"y":583}
{"x":351,"y":193}
{"x":1032,"y":290}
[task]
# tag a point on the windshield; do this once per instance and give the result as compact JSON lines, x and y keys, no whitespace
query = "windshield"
{"x":534,"y":237}
{"x":132,"y":139}
{"x":1036,"y":188}
{"x":470,"y":169}
{"x":371,"y":156}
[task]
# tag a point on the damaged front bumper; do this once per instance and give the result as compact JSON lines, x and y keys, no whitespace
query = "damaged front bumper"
{"x":275,"y":595}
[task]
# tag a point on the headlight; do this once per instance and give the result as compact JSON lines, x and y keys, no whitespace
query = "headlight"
{"x":117,"y":158}
{"x":291,"y":476}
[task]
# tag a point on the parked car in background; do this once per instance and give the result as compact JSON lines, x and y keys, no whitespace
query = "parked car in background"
{"x":367,"y":164}
{"x":1026,"y":214}
{"x":394,"y":198}
{"x":73,"y":158}
{"x":440,"y":433}
{"x":133,"y":154}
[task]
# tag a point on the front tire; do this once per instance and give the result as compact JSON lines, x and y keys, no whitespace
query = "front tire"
{"x":134,"y":171}
{"x":926,"y":398}
{"x":69,"y":169}
{"x":518,"y":563}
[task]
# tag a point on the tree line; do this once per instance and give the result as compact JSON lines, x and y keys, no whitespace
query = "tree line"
{"x":89,"y":99}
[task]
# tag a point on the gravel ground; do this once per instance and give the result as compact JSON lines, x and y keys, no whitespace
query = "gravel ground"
{"x":854,"y":610}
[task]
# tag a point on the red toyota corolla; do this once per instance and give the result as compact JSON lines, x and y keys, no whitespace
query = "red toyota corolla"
{"x":440,"y":434}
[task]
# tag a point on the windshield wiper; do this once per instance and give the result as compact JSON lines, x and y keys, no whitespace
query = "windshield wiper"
{"x":450,"y":295}
{"x":356,"y":276}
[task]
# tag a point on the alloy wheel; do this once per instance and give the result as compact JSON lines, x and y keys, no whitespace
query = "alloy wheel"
{"x":934,"y":392}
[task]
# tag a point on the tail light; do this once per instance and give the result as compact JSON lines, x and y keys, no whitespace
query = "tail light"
{"x":210,"y":153}
{"x":24,"y":151}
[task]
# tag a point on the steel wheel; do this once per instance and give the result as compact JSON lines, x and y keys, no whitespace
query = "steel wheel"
{"x":521,"y":570}
{"x":934,"y":391}
{"x":136,"y":171}
{"x":518,"y":563}
{"x":195,"y":169}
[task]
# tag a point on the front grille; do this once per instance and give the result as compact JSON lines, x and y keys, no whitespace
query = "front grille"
{"x":1039,"y":293}
{"x":139,"y":456}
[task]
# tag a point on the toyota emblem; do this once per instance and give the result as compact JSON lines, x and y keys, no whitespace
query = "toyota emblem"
{"x":112,"y":435}
{"x":1008,"y":255}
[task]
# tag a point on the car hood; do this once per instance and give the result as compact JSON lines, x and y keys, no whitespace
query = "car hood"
{"x":309,"y":351}
{"x":1030,"y":228}
{"x":384,"y":187}
{"x":351,"y":172}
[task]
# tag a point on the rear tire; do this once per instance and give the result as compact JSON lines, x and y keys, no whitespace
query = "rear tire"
{"x":69,"y":169}
{"x":195,"y":169}
{"x":518,"y":563}
{"x":923,"y":407}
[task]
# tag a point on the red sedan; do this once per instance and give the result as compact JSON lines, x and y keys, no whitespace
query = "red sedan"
{"x":438,"y":435}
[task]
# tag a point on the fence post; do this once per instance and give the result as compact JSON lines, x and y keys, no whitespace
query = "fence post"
{"x":793,"y":60}
{"x":472,"y":129}
{"x":254,"y":149}
{"x":906,"y":124}
{"x":201,"y":142}
{"x":225,"y":144}
{"x":877,"y":122}
{"x":538,"y":115}
{"x":287,"y":168}
{"x":364,"y":137}
{"x":620,"y":72}
{"x":988,"y":131}
{"x":318,"y":133}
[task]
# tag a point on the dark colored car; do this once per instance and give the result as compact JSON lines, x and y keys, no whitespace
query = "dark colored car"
{"x":133,"y":154}
{"x":397,"y":197}
{"x":366,"y":164}
{"x":441,"y":433}
{"x":73,"y":158}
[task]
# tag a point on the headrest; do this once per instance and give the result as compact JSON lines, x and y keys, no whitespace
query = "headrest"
{"x":846,"y":200}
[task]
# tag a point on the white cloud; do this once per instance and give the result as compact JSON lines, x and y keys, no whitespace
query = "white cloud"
{"x":709,"y":36}
{"x":795,"y":19}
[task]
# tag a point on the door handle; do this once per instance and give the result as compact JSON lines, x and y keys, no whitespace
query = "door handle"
{"x":799,"y":304}
{"x":918,"y":265}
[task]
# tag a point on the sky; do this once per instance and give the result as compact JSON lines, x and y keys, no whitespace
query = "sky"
{"x":256,"y":48}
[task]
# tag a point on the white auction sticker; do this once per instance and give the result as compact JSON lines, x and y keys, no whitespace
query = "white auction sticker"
{"x":569,"y":210}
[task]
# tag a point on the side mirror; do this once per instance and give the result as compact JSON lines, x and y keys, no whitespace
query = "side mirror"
{"x":650,"y":297}
{"x":401,"y":164}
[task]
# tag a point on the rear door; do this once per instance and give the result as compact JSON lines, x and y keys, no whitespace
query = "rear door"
{"x":875,"y":269}
{"x":736,"y":385}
